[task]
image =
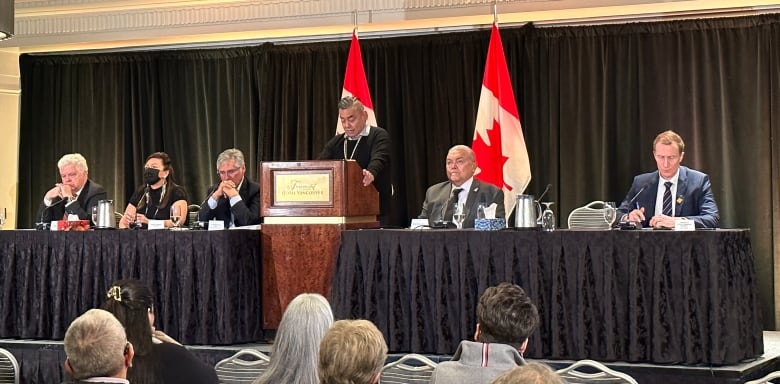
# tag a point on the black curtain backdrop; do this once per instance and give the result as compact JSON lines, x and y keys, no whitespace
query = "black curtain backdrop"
{"x":591,"y":100}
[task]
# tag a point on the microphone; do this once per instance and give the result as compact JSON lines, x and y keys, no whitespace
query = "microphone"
{"x":42,"y":225}
{"x":631,"y":225}
{"x":633,"y":199}
{"x":546,"y":189}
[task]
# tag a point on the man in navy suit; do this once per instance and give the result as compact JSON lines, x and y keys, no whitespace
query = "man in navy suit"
{"x":236,"y":199}
{"x":656,"y":198}
{"x":461,"y":166}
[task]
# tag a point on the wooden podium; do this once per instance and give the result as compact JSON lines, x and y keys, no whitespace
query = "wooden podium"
{"x":305,"y":205}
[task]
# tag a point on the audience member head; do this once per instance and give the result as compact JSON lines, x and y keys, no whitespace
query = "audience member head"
{"x":352,"y":352}
{"x":668,"y":151}
{"x":461,"y":164}
{"x":96,"y":346}
{"x":506,"y":315}
{"x":352,"y":115}
{"x":231,"y":166}
{"x":73,"y":170}
{"x":530,"y":373}
{"x":295,"y":352}
{"x":132,"y":304}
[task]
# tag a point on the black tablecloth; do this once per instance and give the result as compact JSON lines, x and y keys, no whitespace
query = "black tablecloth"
{"x":638,"y":296}
{"x":207,"y":284}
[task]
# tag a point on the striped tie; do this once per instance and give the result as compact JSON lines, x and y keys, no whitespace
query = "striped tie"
{"x":668,"y":199}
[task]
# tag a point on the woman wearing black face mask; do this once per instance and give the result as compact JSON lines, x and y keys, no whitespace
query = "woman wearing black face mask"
{"x":153,"y":199}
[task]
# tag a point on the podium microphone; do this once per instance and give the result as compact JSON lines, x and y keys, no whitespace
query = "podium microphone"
{"x":42,"y":225}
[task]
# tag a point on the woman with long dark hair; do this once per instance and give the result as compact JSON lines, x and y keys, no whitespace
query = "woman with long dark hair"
{"x":153,"y":200}
{"x":158,"y":358}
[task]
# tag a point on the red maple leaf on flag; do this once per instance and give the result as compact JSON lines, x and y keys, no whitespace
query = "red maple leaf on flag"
{"x":491,"y":163}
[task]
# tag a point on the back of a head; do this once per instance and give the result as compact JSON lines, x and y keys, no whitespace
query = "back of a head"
{"x":131,"y":302}
{"x":295,"y":352}
{"x":95,"y":345}
{"x":531,"y":373}
{"x":506,"y":315}
{"x":351,"y":352}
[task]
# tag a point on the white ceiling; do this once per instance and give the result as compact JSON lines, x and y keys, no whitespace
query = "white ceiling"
{"x":56,"y":25}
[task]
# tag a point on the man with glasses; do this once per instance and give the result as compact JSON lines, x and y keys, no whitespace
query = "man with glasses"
{"x":461,"y":189}
{"x":96,"y":349}
{"x":657,"y":198}
{"x":236,"y":199}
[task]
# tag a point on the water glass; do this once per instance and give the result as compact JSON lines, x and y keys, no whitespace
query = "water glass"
{"x":548,"y":217}
{"x":610,"y":212}
{"x":459,"y":216}
{"x":94,"y":215}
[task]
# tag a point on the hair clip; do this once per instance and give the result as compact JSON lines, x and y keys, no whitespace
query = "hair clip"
{"x":115,"y":293}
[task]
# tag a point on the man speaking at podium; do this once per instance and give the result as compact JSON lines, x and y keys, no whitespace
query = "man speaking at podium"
{"x":656,"y":198}
{"x":369,"y":146}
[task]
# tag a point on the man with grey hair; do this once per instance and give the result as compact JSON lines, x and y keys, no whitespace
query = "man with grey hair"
{"x":368,"y":145}
{"x":96,"y":349}
{"x":75,"y":196}
{"x":236,"y":199}
{"x":441,"y":198}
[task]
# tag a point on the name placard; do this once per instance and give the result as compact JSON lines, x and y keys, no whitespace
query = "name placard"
{"x":156,"y":224}
{"x":684,"y":224}
{"x":302,"y":188}
{"x":216,"y":225}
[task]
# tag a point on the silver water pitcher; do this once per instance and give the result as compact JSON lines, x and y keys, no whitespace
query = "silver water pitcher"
{"x":527,"y":211}
{"x":105,"y":214}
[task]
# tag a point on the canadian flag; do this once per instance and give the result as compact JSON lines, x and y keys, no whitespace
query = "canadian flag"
{"x":498,"y":142}
{"x":355,"y":83}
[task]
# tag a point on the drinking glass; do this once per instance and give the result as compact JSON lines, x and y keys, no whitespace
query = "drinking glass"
{"x":94,"y":215}
{"x":175,"y":217}
{"x":481,"y":211}
{"x":2,"y":217}
{"x":548,"y":217}
{"x":458,"y":216}
{"x":610,"y":212}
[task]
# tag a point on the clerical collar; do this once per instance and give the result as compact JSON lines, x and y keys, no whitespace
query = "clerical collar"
{"x":364,"y":132}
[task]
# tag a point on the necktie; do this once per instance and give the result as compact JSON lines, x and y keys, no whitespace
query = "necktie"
{"x":667,"y":199}
{"x":450,"y":209}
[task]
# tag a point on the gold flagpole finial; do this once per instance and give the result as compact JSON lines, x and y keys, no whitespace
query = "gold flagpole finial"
{"x":354,"y":21}
{"x":495,"y":12}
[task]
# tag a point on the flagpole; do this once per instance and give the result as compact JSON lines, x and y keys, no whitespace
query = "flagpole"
{"x":355,"y":21}
{"x":495,"y":12}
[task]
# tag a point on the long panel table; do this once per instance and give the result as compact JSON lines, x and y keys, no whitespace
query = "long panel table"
{"x":637,"y":296}
{"x":207,"y":284}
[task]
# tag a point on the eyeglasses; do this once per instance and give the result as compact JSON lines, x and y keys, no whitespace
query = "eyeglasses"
{"x":229,"y":172}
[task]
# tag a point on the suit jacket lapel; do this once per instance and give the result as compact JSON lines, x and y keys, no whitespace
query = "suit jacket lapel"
{"x":682,"y":188}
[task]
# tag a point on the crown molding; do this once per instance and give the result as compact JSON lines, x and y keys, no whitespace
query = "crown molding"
{"x":42,"y":25}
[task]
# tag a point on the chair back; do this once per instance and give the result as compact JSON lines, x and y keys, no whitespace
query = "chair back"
{"x":9,"y":368}
{"x":409,"y":369}
{"x":243,"y":367}
{"x":766,"y":379}
{"x":590,"y":216}
{"x":594,"y":372}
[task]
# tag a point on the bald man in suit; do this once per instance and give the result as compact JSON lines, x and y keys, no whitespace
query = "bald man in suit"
{"x":461,"y":166}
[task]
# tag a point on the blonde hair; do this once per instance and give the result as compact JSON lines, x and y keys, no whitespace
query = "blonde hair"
{"x":531,"y":373}
{"x":669,"y":137}
{"x":351,"y":352}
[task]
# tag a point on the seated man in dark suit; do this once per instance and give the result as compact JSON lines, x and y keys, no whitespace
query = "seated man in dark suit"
{"x":96,"y":349}
{"x":76,"y":195}
{"x":441,"y":198}
{"x":236,"y":199}
{"x":505,"y":319}
{"x":656,"y":198}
